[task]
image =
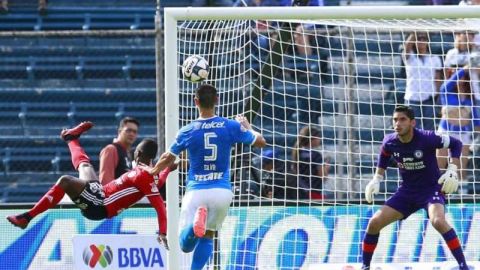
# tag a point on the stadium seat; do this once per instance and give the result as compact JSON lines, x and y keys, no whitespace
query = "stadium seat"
{"x":79,"y":18}
{"x":25,"y":192}
{"x":37,"y":116}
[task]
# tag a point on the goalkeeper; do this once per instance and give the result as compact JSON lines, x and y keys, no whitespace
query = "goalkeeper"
{"x":422,"y":187}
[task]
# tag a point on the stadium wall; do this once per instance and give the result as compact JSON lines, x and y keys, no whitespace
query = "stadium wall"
{"x":321,"y":237}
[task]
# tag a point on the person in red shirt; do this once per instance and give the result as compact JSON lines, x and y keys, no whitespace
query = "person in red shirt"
{"x":116,"y":158}
{"x":97,"y":202}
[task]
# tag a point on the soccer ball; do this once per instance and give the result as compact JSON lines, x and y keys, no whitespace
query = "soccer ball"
{"x":195,"y":68}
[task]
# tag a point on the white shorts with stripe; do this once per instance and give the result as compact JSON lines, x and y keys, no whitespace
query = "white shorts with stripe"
{"x":217,"y":201}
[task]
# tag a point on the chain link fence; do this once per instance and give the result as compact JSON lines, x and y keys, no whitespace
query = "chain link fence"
{"x":54,"y":80}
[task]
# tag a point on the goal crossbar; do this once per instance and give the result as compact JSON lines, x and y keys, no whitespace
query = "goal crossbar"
{"x":314,"y":13}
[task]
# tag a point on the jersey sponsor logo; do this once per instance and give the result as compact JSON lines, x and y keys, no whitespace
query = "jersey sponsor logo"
{"x":209,"y":176}
{"x":154,"y":188}
{"x":128,"y":164}
{"x":96,"y":188}
{"x":118,"y":181}
{"x":409,"y":163}
{"x":410,"y":166}
{"x":197,"y":125}
{"x":418,"y":154}
{"x":213,"y":125}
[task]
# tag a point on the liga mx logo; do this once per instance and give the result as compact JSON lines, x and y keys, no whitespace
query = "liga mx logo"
{"x":101,"y":254}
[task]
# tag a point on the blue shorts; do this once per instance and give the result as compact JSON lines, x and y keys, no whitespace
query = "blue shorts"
{"x":408,"y":203}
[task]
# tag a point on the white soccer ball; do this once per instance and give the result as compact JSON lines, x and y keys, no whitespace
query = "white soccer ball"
{"x":195,"y":68}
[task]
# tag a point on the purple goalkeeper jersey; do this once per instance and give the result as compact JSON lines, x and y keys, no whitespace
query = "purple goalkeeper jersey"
{"x":416,"y":160}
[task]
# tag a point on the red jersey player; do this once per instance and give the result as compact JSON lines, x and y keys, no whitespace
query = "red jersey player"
{"x":97,"y":202}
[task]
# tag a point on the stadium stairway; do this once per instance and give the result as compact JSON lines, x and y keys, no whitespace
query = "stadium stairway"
{"x":31,"y":120}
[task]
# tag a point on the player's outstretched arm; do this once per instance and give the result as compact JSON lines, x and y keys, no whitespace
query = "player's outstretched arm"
{"x":162,"y":239}
{"x":373,"y":187}
{"x":166,"y":160}
{"x":162,"y":177}
{"x":157,"y":202}
{"x":260,"y":140}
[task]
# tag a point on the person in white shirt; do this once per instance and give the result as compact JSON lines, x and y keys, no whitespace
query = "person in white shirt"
{"x":464,"y":52}
{"x":424,"y":77}
{"x":461,"y":53}
{"x":473,"y":22}
{"x":463,"y":47}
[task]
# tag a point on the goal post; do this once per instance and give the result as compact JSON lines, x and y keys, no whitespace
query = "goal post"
{"x":341,"y":75}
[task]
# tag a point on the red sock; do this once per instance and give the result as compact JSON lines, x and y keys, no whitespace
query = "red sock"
{"x":78,"y":154}
{"x":49,"y":200}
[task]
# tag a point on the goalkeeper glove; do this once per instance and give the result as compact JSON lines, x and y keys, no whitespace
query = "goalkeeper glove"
{"x":373,"y":187}
{"x":449,"y":180}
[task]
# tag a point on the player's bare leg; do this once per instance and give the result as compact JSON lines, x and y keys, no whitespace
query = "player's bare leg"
{"x":65,"y":185}
{"x":436,"y":214}
{"x":72,"y":186}
{"x":379,"y":220}
{"x":86,"y":171}
{"x":382,"y":218}
{"x":80,"y":160}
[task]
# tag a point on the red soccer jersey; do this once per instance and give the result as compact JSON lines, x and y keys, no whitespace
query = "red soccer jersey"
{"x":129,"y":188}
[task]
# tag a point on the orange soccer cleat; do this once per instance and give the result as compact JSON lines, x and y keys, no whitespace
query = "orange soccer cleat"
{"x":200,"y":222}
{"x":74,"y":133}
{"x":20,"y":221}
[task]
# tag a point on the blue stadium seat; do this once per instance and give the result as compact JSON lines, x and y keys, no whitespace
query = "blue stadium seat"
{"x":25,"y":192}
{"x":79,"y":18}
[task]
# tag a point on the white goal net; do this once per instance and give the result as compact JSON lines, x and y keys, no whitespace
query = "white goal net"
{"x":322,"y":91}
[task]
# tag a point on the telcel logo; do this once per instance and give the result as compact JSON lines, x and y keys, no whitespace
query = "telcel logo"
{"x":101,"y":254}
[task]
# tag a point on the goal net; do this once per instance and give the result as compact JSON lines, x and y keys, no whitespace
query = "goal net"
{"x":320,"y":84}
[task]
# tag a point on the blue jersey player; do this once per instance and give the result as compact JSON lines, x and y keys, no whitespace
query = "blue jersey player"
{"x":423,"y":187}
{"x":208,"y":141}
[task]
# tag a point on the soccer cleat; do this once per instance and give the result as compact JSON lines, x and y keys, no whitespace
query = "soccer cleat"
{"x":74,"y":133}
{"x":200,"y":222}
{"x":20,"y":221}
